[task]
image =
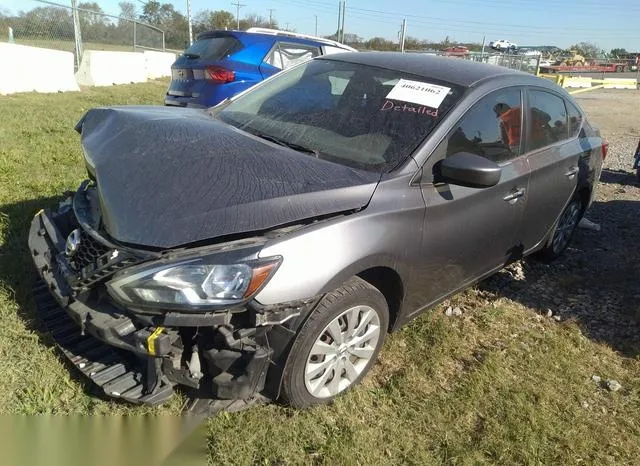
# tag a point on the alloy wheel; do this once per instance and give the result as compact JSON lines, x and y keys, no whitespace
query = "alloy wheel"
{"x":567,"y":223}
{"x":342,"y":351}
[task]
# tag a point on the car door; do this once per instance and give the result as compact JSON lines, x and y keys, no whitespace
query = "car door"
{"x":469,"y":232}
{"x":284,"y":55}
{"x":553,"y":153}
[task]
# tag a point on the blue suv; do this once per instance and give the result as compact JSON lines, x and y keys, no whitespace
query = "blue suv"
{"x":220,"y":64}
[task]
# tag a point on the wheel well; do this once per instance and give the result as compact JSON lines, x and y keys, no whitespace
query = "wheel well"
{"x":389,"y":283}
{"x":585,"y":195}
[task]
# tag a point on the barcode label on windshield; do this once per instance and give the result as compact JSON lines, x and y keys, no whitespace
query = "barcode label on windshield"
{"x":416,"y":92}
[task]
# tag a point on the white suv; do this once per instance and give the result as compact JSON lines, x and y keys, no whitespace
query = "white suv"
{"x":503,"y":45}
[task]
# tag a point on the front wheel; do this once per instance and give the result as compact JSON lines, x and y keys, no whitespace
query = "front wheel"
{"x":562,"y":231}
{"x":336,"y":346}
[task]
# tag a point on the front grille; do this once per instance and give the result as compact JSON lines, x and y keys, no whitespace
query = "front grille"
{"x":88,"y":252}
{"x":94,"y":261}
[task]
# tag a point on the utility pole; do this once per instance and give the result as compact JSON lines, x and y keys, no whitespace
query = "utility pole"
{"x":339,"y":20}
{"x":189,"y":22}
{"x":403,"y":34}
{"x":271,"y":10}
{"x":316,"y":25}
{"x":238,"y":5}
{"x":344,"y":12}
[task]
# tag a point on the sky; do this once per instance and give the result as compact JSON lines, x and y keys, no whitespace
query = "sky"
{"x":525,"y":22}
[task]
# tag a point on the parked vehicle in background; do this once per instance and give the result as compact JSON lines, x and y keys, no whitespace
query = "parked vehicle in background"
{"x":220,"y":64}
{"x":267,"y":245}
{"x":529,"y":52}
{"x":503,"y":45}
{"x":456,"y":51}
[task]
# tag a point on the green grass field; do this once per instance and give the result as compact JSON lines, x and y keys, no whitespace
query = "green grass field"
{"x":498,"y":385}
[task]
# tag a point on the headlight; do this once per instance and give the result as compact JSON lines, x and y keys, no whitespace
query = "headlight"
{"x":194,"y":283}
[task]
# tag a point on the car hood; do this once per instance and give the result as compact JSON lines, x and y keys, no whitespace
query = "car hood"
{"x":167,"y":177}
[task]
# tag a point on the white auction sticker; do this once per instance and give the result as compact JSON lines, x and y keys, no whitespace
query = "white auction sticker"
{"x":416,"y":92}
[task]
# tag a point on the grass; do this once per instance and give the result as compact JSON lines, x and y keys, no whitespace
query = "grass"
{"x":499,"y":385}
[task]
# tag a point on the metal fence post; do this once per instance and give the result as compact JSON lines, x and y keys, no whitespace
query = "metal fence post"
{"x":77,"y":33}
{"x":134,"y":35}
{"x":163,"y":46}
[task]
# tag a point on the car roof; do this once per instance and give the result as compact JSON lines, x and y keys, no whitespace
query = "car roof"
{"x":453,"y":70}
{"x":273,"y":34}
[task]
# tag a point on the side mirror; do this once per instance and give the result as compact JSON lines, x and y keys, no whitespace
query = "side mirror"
{"x":466,"y":169}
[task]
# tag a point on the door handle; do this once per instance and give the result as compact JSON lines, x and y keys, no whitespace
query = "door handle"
{"x":572,"y":172}
{"x":513,"y":197}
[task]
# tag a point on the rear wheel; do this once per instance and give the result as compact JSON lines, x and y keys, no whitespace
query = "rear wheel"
{"x":337,"y":345}
{"x":562,"y":231}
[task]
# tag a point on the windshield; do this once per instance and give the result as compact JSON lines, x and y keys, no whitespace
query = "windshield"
{"x":356,"y":115}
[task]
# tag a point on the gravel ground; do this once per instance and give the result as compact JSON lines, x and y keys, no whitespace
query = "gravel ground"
{"x":597,"y":281}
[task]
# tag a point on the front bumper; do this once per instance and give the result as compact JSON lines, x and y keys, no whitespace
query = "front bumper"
{"x":138,"y":357}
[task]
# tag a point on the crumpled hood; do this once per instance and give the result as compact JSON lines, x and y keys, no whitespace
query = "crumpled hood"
{"x":171,"y":176}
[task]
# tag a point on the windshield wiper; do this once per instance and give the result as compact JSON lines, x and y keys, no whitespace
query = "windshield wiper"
{"x":190,"y":55}
{"x":290,"y":145}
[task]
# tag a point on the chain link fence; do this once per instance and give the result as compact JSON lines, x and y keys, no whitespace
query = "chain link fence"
{"x":56,"y":26}
{"x":526,"y":63}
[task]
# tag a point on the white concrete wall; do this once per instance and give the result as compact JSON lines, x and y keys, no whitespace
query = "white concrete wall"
{"x":28,"y":69}
{"x":99,"y":68}
{"x":158,"y":64}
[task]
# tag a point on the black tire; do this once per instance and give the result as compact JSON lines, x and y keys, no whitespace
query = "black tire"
{"x":555,"y":246}
{"x":355,"y":292}
{"x":638,"y":175}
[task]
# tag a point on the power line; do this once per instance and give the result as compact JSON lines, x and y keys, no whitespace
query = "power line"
{"x":441,"y":24}
{"x":238,"y":5}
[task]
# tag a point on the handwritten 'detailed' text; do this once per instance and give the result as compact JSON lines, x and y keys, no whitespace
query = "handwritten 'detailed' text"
{"x":390,"y":106}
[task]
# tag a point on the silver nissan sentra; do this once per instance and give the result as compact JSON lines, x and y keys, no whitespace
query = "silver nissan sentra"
{"x":263,"y":248}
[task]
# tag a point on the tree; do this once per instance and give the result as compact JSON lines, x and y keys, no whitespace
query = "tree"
{"x":172,"y":22}
{"x":207,"y":20}
{"x":586,"y":49}
{"x":380,"y":43}
{"x":253,"y":20}
{"x":619,"y":52}
{"x":412,"y":43}
{"x":128,"y":10}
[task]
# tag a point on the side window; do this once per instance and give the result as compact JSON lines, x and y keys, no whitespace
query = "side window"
{"x":285,"y":55}
{"x":492,"y":128}
{"x":547,"y":119}
{"x":575,"y":120}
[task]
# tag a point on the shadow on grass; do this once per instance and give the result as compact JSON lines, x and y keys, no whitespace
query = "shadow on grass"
{"x":596,"y":282}
{"x":18,"y":274}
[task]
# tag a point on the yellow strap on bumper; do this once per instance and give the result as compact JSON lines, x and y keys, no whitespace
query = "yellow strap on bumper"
{"x":151,"y":340}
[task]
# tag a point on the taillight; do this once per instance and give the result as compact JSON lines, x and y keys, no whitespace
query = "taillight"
{"x":605,"y":149}
{"x":220,"y":75}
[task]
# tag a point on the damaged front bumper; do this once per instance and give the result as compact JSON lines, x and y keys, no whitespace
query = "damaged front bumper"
{"x":140,"y":357}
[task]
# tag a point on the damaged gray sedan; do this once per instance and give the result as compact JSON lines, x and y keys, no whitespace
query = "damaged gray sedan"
{"x":263,"y":248}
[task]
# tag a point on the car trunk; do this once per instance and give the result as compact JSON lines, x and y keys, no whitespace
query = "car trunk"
{"x":189,"y":74}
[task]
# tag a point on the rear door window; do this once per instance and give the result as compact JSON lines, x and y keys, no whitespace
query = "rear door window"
{"x":212,"y":48}
{"x":492,"y":128}
{"x":285,"y":55}
{"x":547,"y":119}
{"x":575,"y":120}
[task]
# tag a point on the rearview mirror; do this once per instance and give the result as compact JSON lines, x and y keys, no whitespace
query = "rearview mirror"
{"x":466,"y":169}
